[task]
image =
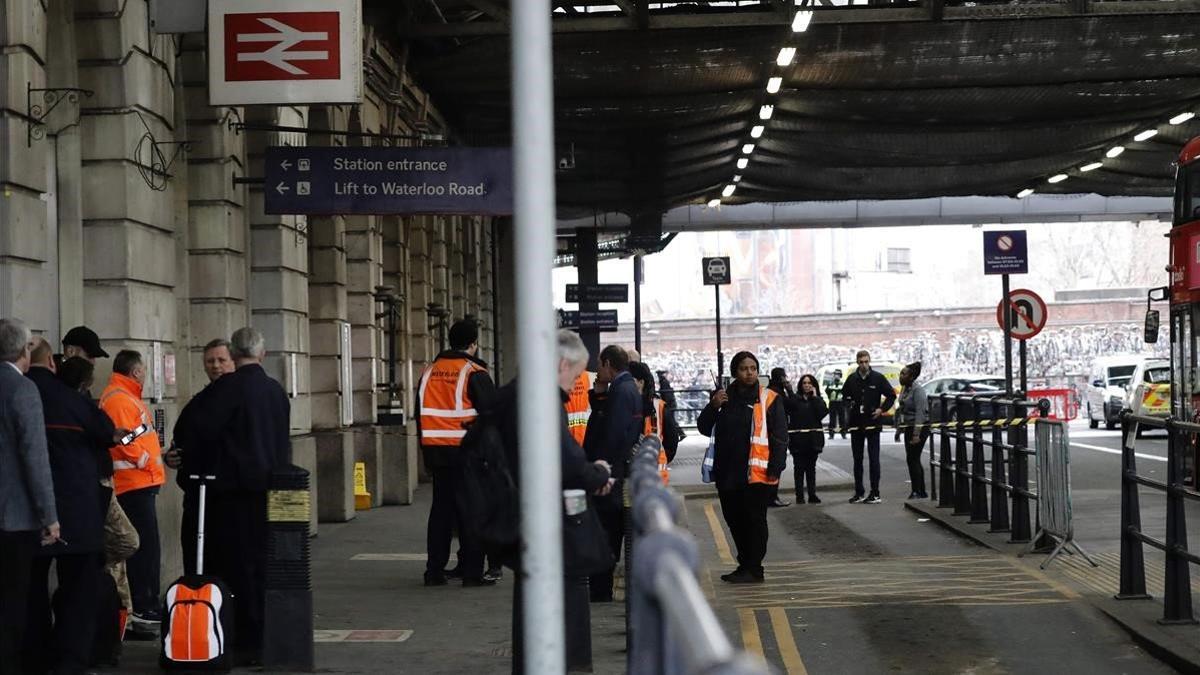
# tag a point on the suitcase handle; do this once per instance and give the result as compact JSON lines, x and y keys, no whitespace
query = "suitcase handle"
{"x":203,"y":481}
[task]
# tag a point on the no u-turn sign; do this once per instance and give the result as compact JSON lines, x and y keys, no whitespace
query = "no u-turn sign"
{"x":1027,"y":313}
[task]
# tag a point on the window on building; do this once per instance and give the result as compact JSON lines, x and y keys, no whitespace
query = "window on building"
{"x":899,"y":260}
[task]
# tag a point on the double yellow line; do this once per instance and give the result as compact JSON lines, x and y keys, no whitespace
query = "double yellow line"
{"x":784,"y":638}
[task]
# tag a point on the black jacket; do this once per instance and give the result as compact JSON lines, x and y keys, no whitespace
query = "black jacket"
{"x":671,"y":431}
{"x":482,"y":392}
{"x":863,"y":395}
{"x":76,"y":432}
{"x":615,"y":424}
{"x":733,"y":423}
{"x":236,"y":428}
{"x":577,"y":472}
{"x":805,"y":413}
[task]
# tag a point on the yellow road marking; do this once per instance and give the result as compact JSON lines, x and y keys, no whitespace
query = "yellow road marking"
{"x":792,"y":663}
{"x":718,"y":535}
{"x":751,"y":640}
{"x":1033,"y":571}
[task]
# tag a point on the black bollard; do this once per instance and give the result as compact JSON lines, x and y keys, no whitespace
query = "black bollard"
{"x":288,"y":616}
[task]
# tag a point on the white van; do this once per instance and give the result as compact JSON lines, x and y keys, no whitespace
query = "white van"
{"x":1106,"y":393}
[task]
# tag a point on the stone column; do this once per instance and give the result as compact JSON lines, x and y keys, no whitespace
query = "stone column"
{"x":400,"y":448}
{"x":364,"y":271}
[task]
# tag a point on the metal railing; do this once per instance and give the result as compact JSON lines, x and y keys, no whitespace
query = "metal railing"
{"x":672,"y":628}
{"x":1177,"y":587}
{"x":968,"y":427}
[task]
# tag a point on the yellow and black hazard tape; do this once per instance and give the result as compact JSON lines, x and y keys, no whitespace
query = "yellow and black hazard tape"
{"x":954,"y":424}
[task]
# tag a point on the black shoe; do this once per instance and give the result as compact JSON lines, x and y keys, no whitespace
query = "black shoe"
{"x":914,"y":495}
{"x":813,"y":499}
{"x":924,"y":495}
{"x":453,"y":573}
{"x":873,"y":499}
{"x":494,"y":574}
{"x":856,"y":499}
{"x":432,"y":579}
{"x":778,"y":503}
{"x":744,"y":577}
{"x":799,"y":499}
{"x":475,"y":583}
{"x":727,"y":577}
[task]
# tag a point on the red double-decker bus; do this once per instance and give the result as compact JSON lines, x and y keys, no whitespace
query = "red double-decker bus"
{"x":1185,"y":286}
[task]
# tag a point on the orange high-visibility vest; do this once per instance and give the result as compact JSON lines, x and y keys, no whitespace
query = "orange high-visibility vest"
{"x":657,"y":427}
{"x":138,"y":465}
{"x":760,"y":446}
{"x":579,"y":408}
{"x":446,"y":407}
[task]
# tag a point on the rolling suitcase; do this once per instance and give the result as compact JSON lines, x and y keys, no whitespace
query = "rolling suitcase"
{"x":197,"y":625}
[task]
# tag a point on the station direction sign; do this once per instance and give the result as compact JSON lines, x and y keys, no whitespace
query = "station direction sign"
{"x":597,"y":292}
{"x":284,"y":51}
{"x":604,"y":320}
{"x":387,"y":181}
{"x":1028,"y":313}
{"x":1005,"y":252}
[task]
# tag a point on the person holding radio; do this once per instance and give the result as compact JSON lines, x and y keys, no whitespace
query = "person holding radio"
{"x":137,"y":477}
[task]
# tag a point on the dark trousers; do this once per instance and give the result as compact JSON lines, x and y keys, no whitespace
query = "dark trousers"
{"x":144,"y":566}
{"x":610,"y":509}
{"x":235,"y":550}
{"x":837,"y":418}
{"x":62,"y":642}
{"x":857,"y":439}
{"x":745,"y":511}
{"x":16,"y":566}
{"x":449,"y":508}
{"x":804,"y":468}
{"x":577,"y":614}
{"x":914,"y":450}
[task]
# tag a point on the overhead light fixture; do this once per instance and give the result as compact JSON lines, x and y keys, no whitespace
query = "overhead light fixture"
{"x":714,"y":203}
{"x":1114,"y":151}
{"x":773,"y":85}
{"x":747,"y":148}
{"x":1146,"y":135}
{"x":1091,"y":167}
{"x":802,"y":20}
{"x":728,"y":191}
{"x":743,"y":163}
{"x":762,"y":326}
{"x":765,"y":112}
{"x":757,"y":131}
{"x":737,"y":178}
{"x":1057,"y":178}
{"x":1182,"y":117}
{"x":785,"y":56}
{"x":1024,"y":193}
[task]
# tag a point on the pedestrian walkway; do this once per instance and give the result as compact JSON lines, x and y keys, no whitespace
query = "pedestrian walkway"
{"x":374,"y":615}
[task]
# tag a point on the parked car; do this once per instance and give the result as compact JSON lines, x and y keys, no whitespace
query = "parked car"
{"x":1150,"y":389}
{"x":1107,"y":390}
{"x":962,"y":384}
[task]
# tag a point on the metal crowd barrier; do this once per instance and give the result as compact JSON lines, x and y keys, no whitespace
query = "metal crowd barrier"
{"x":961,"y":460}
{"x":1055,"y":519}
{"x":1177,"y":588}
{"x":672,"y":628}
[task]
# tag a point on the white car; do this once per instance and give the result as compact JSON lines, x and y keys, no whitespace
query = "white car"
{"x":1106,"y":393}
{"x":1150,"y":388}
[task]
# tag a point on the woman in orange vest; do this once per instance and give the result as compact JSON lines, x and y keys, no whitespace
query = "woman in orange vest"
{"x":748,"y":425}
{"x":660,"y":419}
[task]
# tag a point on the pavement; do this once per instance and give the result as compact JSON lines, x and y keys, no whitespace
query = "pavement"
{"x":850,"y":588}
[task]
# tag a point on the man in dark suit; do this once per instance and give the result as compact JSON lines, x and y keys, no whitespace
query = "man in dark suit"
{"x":77,"y":431}
{"x":238,"y":433}
{"x":27,"y":509}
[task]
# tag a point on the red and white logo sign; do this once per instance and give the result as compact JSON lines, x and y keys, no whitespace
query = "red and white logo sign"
{"x":284,"y":51}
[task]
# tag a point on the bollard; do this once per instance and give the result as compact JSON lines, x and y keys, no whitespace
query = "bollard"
{"x":1177,"y":587}
{"x":979,"y":499}
{"x":1133,"y":561}
{"x":946,"y":468}
{"x":1017,"y":440}
{"x":999,"y":475}
{"x":962,"y":474}
{"x":288,"y":614}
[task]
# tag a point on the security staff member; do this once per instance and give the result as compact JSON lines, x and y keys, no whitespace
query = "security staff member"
{"x":137,"y":477}
{"x":76,"y":431}
{"x":866,"y":395}
{"x":748,"y":424}
{"x":455,"y":389}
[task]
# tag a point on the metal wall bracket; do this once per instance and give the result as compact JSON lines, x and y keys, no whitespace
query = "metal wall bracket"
{"x":36,"y":113}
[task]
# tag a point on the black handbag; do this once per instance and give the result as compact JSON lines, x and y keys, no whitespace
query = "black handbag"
{"x":585,"y":545}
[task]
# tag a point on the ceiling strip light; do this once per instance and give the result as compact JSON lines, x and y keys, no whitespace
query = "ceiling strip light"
{"x":1091,"y":167}
{"x":728,"y":191}
{"x":765,"y":112}
{"x":757,"y":131}
{"x":1114,"y":151}
{"x":737,"y":178}
{"x":747,"y":148}
{"x":1182,"y":117}
{"x":1058,"y":178}
{"x":1024,"y":193}
{"x":773,"y":85}
{"x":743,"y":163}
{"x":714,"y":203}
{"x":1146,"y":135}
{"x":802,"y":20}
{"x":786,"y":55}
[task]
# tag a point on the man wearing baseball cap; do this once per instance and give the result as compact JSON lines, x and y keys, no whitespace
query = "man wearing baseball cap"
{"x":82,"y":341}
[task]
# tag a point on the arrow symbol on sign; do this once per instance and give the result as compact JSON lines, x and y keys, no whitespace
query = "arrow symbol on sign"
{"x":281,"y":188}
{"x":285,"y":37}
{"x":285,"y":165}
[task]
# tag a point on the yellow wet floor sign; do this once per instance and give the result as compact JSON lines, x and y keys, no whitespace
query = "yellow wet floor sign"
{"x":362,"y":498}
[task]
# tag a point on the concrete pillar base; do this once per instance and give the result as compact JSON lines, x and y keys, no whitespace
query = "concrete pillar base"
{"x":368,"y":450}
{"x":304,"y":455}
{"x":335,"y":476}
{"x":399,"y":466}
